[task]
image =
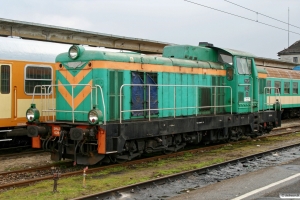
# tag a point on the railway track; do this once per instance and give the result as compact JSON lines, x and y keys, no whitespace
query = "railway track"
{"x":20,"y":154}
{"x":8,"y":150}
{"x":25,"y":177}
{"x":141,"y":188}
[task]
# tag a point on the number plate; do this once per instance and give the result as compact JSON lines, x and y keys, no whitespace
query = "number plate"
{"x":55,"y":130}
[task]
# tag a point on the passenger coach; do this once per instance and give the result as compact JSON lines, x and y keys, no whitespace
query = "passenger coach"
{"x":23,"y":64}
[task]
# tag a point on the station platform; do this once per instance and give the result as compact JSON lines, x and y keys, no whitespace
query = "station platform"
{"x":278,"y":182}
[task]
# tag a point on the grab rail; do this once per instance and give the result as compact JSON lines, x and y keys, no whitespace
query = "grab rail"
{"x":268,"y":95}
{"x":196,"y":107}
{"x":47,"y":92}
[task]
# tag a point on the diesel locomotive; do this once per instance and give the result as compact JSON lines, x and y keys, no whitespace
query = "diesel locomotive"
{"x":113,"y":107}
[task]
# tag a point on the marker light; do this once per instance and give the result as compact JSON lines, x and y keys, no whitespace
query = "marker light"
{"x":32,"y":113}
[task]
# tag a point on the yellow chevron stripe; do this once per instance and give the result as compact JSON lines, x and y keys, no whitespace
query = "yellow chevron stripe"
{"x":74,"y":79}
{"x":79,"y":98}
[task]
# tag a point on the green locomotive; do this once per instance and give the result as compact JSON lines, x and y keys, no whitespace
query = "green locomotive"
{"x":116,"y":106}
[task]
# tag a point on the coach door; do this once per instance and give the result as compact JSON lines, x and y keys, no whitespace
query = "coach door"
{"x":5,"y":94}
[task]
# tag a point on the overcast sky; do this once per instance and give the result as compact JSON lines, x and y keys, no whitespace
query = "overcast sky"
{"x":172,"y":21}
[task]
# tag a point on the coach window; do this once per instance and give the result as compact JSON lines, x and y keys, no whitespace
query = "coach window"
{"x":268,"y":87}
{"x":286,"y":87}
{"x":278,"y":86}
{"x":4,"y":79}
{"x":295,"y":87}
{"x":37,"y":75}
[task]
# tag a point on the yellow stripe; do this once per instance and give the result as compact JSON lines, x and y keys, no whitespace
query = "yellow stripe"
{"x":155,"y":68}
{"x":7,"y":122}
{"x":262,"y":75}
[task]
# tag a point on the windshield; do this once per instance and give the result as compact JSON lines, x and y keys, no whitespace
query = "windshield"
{"x":243,"y":65}
{"x":225,"y":58}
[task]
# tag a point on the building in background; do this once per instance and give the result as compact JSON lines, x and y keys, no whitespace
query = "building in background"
{"x":291,"y":54}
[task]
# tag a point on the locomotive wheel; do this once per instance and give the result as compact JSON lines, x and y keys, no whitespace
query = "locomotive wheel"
{"x":253,"y":136}
{"x":166,"y":152}
{"x":117,"y":159}
{"x":120,"y":161}
{"x":112,"y":159}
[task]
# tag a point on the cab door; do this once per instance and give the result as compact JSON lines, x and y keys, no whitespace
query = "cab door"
{"x":245,"y":84}
{"x":5,"y":95}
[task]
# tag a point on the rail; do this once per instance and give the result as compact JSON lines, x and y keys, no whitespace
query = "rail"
{"x":5,"y":140}
{"x":196,"y":107}
{"x":47,"y":100}
{"x":267,"y":97}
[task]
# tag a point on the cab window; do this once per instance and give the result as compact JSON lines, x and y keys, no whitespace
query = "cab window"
{"x":229,"y":73}
{"x":225,"y":58}
{"x":243,"y":65}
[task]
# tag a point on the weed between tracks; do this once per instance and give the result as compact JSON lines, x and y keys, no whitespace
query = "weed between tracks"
{"x":121,"y":176}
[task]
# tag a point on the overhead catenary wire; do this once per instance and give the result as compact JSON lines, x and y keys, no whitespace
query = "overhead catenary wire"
{"x":262,"y":14}
{"x":241,"y":16}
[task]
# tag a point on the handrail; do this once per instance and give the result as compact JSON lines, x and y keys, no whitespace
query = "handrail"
{"x":174,"y":109}
{"x":103,"y":103}
{"x":252,"y":94}
{"x":45,"y":99}
{"x":266,"y":95}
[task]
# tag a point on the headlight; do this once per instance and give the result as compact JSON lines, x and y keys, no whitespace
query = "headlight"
{"x":32,"y":113}
{"x":95,"y":116}
{"x":75,"y":51}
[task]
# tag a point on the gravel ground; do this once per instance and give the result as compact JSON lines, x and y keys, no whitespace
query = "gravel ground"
{"x":24,"y":162}
{"x":185,"y":184}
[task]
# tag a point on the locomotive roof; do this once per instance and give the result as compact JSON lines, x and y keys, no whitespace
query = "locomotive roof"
{"x":236,"y":52}
{"x":28,"y":50}
{"x":177,"y":55}
{"x":89,"y":55}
